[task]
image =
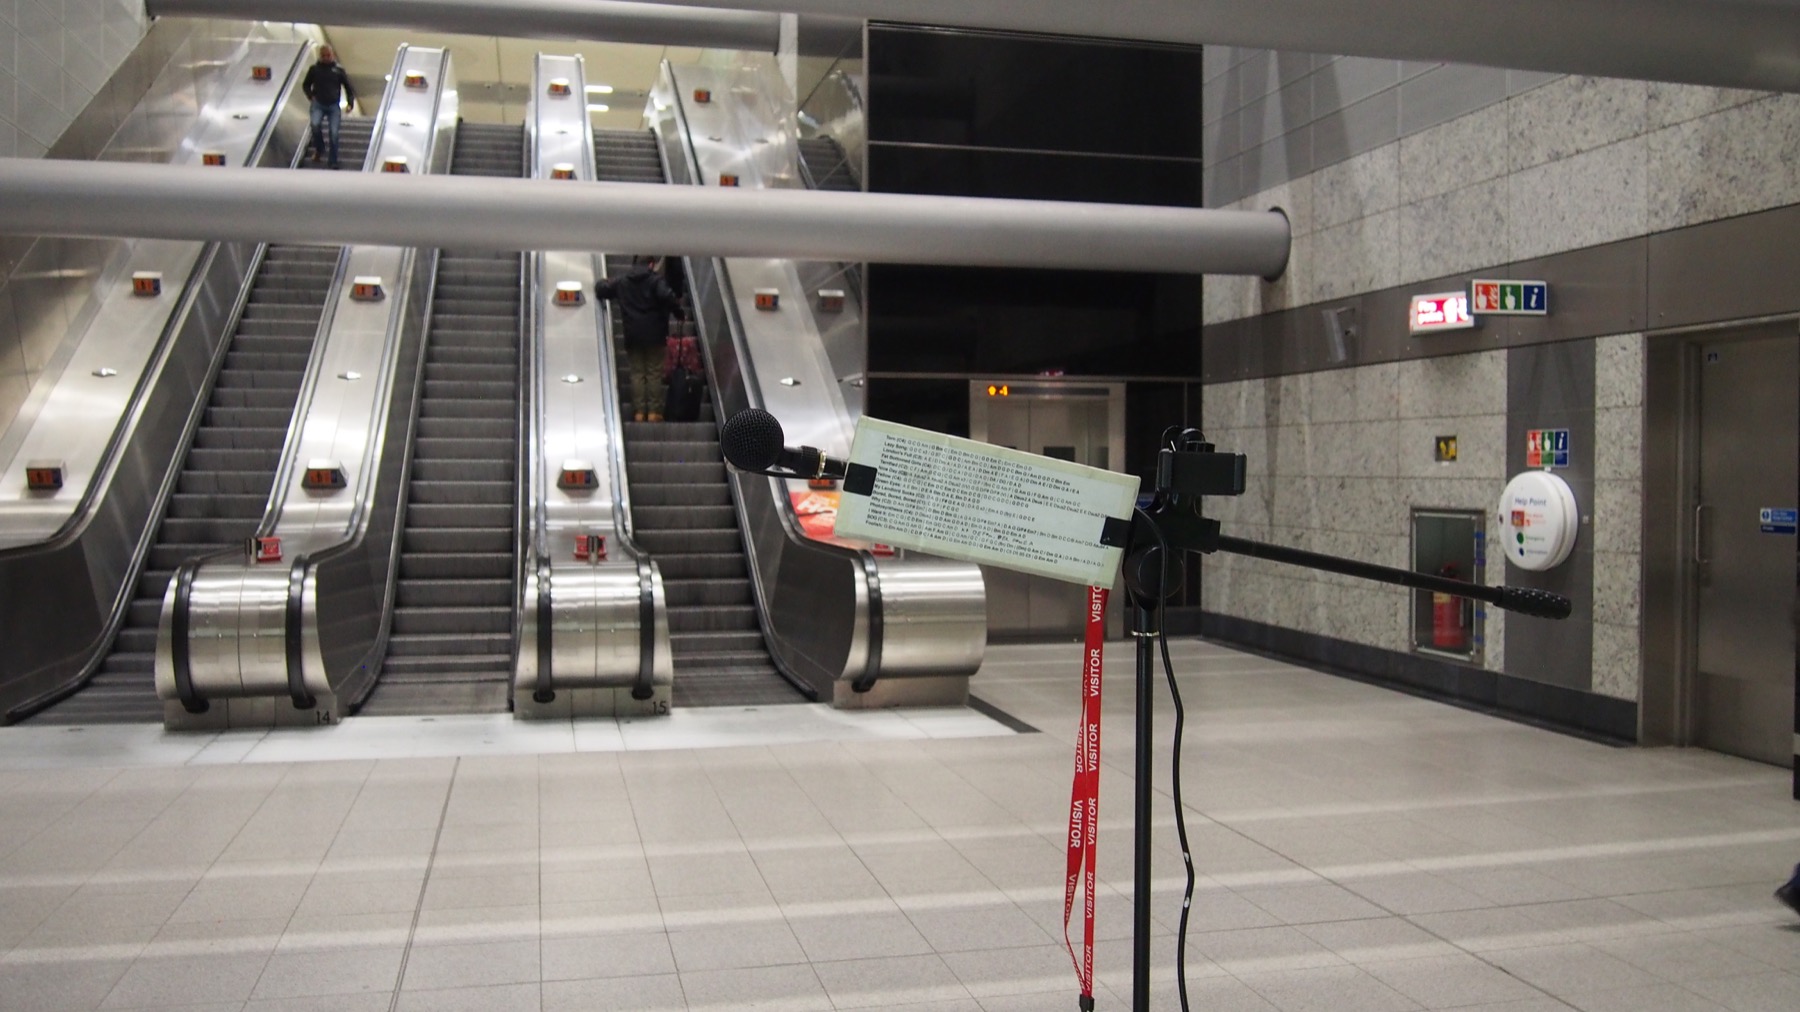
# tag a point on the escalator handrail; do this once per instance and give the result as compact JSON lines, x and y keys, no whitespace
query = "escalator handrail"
{"x":103,"y":643}
{"x":782,"y":505}
{"x":82,"y":513}
{"x":356,"y":527}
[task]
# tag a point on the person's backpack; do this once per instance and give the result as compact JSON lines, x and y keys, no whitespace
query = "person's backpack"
{"x":685,"y":375}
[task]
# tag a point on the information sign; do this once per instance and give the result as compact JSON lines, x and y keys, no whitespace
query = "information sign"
{"x":1547,"y":448}
{"x":1509,"y":298}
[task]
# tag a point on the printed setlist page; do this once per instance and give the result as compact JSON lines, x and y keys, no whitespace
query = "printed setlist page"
{"x":967,"y":500}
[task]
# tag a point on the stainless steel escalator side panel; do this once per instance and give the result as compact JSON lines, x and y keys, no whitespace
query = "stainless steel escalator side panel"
{"x":310,"y":627}
{"x":107,"y":358}
{"x":73,"y":588}
{"x":596,"y":649}
{"x":825,"y":607}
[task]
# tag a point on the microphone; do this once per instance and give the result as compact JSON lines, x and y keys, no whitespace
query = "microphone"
{"x":752,"y":441}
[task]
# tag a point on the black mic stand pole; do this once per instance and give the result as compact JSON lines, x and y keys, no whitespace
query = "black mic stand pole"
{"x":1173,"y":523}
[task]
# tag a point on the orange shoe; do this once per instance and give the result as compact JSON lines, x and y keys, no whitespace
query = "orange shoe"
{"x":638,"y":417}
{"x":655,"y":417}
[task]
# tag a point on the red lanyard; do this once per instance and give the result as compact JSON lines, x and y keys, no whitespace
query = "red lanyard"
{"x":1084,"y":801}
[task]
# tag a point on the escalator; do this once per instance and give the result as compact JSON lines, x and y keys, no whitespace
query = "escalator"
{"x":682,"y":514}
{"x":224,"y":483}
{"x":827,"y":166}
{"x":450,"y":648}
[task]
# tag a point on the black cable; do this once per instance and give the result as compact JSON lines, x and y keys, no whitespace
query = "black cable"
{"x":1187,"y":857}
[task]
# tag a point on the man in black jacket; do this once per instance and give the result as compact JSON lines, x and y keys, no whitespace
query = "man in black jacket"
{"x":326,"y":83}
{"x":645,"y":302}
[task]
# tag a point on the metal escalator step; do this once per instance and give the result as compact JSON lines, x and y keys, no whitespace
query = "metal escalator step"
{"x":144,"y":613}
{"x":702,"y":566}
{"x":136,"y":641}
{"x":477,"y":306}
{"x":457,"y":541}
{"x":251,"y":379}
{"x":472,"y":372}
{"x":244,"y":459}
{"x":248,"y":418}
{"x":206,"y":505}
{"x":450,"y":565}
{"x":672,"y":452}
{"x":463,"y":448}
{"x":466,"y":620}
{"x":214,"y":483}
{"x":436,"y":669}
{"x":664,"y":518}
{"x":167,"y":556}
{"x":713,"y":618}
{"x":687,"y":592}
{"x":151,"y":583}
{"x":422,"y":492}
{"x":451,"y":644}
{"x":460,"y":516}
{"x":497,"y":354}
{"x":689,"y":644}
{"x":672,"y":432}
{"x":462,"y":390}
{"x":239,"y":439}
{"x":653,"y":472}
{"x":697,"y":494}
{"x":279,"y":328}
{"x":456,"y":471}
{"x":280,"y":311}
{"x":218,"y":529}
{"x":468,"y":408}
{"x":467,"y":428}
{"x":698,"y":542}
{"x":252,"y":397}
{"x":454,"y":593}
{"x":118,"y":666}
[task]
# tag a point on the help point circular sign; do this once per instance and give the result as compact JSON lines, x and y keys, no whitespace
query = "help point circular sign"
{"x":1538,"y":520}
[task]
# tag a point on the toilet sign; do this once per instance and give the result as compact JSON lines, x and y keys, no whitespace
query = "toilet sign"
{"x":1509,"y":298}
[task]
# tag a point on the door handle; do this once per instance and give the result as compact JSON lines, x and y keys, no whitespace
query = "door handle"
{"x":1699,"y":512}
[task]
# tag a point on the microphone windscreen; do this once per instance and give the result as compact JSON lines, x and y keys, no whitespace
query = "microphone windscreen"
{"x":751,"y":440}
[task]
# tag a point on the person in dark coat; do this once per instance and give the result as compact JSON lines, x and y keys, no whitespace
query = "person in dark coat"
{"x":327,"y":83}
{"x":645,"y":302}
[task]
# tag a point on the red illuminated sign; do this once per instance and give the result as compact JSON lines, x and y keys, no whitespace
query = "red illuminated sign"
{"x":1444,"y":311}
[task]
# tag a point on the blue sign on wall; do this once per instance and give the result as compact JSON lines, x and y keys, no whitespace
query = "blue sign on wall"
{"x":1775,"y":520}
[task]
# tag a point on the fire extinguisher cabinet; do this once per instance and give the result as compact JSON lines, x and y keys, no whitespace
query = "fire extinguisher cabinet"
{"x":1448,"y":543}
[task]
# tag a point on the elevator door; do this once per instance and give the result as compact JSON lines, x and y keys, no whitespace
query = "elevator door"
{"x":1074,"y":423}
{"x":1742,"y":691}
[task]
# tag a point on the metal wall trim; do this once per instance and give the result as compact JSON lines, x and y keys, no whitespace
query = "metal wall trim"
{"x":1718,"y":273}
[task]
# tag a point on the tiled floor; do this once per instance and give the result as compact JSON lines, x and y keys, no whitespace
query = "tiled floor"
{"x":1359,"y":849}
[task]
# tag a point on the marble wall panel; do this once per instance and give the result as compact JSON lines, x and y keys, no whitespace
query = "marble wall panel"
{"x":1618,"y":515}
{"x":1459,"y":231}
{"x":1584,"y":200}
{"x":1618,"y":452}
{"x":1360,"y":256}
{"x":1452,"y":385}
{"x":1731,"y":162}
{"x":1360,"y":506}
{"x":1670,"y":104}
{"x":1571,"y":115}
{"x":1226,"y":297}
{"x":1451,"y":493}
{"x":1617,"y":588}
{"x":1619,"y":371}
{"x":1294,"y":198}
{"x":1235,"y":406}
{"x":1455,"y":155}
{"x":1617,"y":661}
{"x":1480,"y":445}
{"x":1356,"y":188}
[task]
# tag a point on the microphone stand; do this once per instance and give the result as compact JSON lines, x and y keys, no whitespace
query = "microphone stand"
{"x":1174,"y":522}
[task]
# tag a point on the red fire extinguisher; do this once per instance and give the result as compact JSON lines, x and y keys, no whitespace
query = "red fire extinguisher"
{"x":1447,"y":630}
